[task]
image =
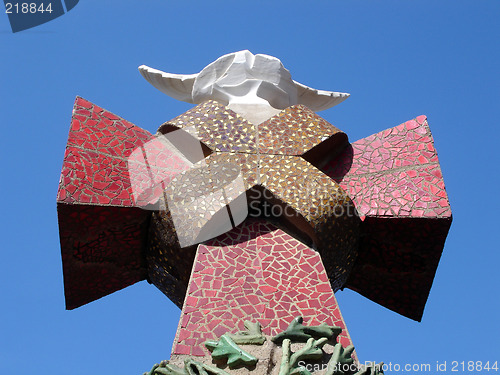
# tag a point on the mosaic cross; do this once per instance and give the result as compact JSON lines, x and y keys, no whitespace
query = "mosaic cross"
{"x":371,"y":216}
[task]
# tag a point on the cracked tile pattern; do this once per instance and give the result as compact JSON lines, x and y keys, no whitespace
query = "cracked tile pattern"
{"x":152,"y":168}
{"x":279,"y":156}
{"x":101,"y":250}
{"x":95,"y":162}
{"x":102,"y":234}
{"x":396,"y":184}
{"x":169,"y":266}
{"x":254,"y":272}
{"x":397,"y":261}
{"x":106,"y":155}
{"x":296,"y":161}
{"x":226,"y":131}
{"x":394,"y":173}
{"x":315,"y":201}
{"x":276,"y":136}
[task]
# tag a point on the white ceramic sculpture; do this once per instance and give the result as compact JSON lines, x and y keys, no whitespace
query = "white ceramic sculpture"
{"x":255,"y":86}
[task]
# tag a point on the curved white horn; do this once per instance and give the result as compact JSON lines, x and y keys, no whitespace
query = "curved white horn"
{"x":318,"y":100}
{"x":178,"y":86}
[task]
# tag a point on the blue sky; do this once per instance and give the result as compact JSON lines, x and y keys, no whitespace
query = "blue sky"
{"x":398,"y":59}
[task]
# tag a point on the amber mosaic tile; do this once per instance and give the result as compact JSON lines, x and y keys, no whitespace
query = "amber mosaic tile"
{"x":219,"y":127}
{"x":293,"y":131}
{"x":311,"y":203}
{"x":169,"y":265}
{"x":247,"y":163}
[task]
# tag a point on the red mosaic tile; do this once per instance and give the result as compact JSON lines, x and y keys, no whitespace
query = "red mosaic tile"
{"x":396,"y":184}
{"x":397,"y":262}
{"x":101,"y":250}
{"x":259,"y":271}
{"x":102,"y":233}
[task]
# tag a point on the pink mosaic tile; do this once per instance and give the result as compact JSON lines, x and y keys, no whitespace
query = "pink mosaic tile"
{"x":396,"y":184}
{"x":393,"y":173}
{"x":102,"y":233}
{"x":255,"y":272}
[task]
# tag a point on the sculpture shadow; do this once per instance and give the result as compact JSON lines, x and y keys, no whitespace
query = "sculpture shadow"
{"x":340,"y":164}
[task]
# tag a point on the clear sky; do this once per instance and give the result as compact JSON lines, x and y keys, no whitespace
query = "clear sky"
{"x":398,"y":59}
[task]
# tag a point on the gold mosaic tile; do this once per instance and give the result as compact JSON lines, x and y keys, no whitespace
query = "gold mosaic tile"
{"x":293,"y":131}
{"x":276,"y":161}
{"x":219,"y":127}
